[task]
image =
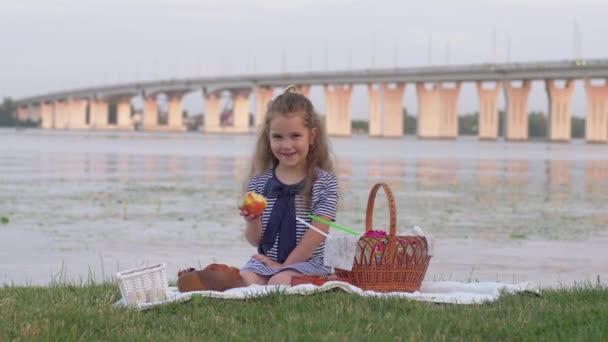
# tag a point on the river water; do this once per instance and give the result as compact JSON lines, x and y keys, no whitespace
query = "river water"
{"x":84,"y":205}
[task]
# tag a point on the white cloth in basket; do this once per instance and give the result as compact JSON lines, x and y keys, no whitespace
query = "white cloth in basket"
{"x":340,"y":251}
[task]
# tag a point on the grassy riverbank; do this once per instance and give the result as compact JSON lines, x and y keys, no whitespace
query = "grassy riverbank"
{"x":66,"y":312}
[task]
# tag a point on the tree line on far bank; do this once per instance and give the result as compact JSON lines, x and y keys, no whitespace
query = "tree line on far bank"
{"x":7,"y":118}
{"x":467,"y":123}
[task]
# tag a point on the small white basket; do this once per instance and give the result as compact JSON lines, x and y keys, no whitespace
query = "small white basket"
{"x":143,"y":284}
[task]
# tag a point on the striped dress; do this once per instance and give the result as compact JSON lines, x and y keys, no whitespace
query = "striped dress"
{"x":324,"y":202}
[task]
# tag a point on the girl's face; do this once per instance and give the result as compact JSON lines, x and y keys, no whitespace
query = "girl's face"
{"x":290,"y":140}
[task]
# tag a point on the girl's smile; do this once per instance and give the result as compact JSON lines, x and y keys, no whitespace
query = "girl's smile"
{"x":290,"y":141}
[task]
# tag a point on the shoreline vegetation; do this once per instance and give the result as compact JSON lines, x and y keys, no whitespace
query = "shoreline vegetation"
{"x":70,"y":311}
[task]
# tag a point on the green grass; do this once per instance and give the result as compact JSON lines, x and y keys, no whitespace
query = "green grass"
{"x":67,"y":312}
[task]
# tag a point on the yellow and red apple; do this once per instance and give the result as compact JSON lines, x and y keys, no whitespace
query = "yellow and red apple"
{"x":254,"y":203}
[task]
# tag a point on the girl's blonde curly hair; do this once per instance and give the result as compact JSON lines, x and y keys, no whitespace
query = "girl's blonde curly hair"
{"x":291,"y":103}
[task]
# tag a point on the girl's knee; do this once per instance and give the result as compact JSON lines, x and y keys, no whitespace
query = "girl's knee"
{"x":251,"y":278}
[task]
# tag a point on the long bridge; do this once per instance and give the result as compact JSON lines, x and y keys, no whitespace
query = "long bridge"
{"x":438,"y":90}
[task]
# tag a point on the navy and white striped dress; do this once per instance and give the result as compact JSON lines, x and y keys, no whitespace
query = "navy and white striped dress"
{"x":324,"y":202}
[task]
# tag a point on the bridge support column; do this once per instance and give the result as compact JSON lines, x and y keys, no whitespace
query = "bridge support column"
{"x":263,"y":95}
{"x":123,"y":113}
{"x":386,"y":110}
{"x":77,"y":109}
{"x":241,"y":110}
{"x":212,"y":112}
{"x":428,"y":111}
{"x":47,"y":117}
{"x":517,"y":110}
{"x":448,"y":109}
{"x":375,"y":108}
{"x":150,"y":120}
{"x":99,"y":113}
{"x":560,"y":110}
{"x":596,"y":129}
{"x":23,"y":113}
{"x":61,"y":114}
{"x":438,"y":111}
{"x":338,"y":109}
{"x":488,"y":120}
{"x":176,"y":111}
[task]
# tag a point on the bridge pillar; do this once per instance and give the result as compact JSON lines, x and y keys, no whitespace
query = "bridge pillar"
{"x":176,"y":111}
{"x":386,"y":110}
{"x":263,"y":95}
{"x":338,"y":109}
{"x":47,"y":117}
{"x":99,"y":113}
{"x":123,"y":112}
{"x":212,"y":112}
{"x":438,"y":111}
{"x":60,"y":114}
{"x":517,"y":110}
{"x":488,"y":121}
{"x":560,"y":110}
{"x":375,"y":115}
{"x":596,"y":129}
{"x":77,"y":109}
{"x":428,"y":111}
{"x":63,"y":114}
{"x":150,"y":120}
{"x":448,"y":110}
{"x":23,"y":113}
{"x":241,"y":110}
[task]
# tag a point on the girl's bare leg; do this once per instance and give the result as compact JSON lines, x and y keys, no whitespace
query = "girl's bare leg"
{"x":283,"y":278}
{"x":251,"y":278}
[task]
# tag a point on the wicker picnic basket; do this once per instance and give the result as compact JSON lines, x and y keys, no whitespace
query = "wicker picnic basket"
{"x":143,"y":284}
{"x":388,"y":263}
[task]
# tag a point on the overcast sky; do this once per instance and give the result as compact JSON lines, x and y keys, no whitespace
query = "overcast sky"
{"x":57,"y":44}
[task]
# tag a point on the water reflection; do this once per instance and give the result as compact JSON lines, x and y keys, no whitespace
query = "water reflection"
{"x":241,"y":169}
{"x":344,"y":169}
{"x":391,"y":172}
{"x":175,"y":167}
{"x":489,"y":172}
{"x":482,"y":184}
{"x":436,"y":173}
{"x":559,"y":178}
{"x":596,"y":179}
{"x":212,"y":168}
{"x":517,"y":172}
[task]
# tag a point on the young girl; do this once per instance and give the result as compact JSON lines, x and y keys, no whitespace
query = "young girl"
{"x":292,"y":168}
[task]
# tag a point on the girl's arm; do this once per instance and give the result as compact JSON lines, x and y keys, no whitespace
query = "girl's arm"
{"x":253,"y":227}
{"x":253,"y":232}
{"x":309,"y":243}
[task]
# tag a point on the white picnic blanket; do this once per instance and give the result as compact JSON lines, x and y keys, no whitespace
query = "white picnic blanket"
{"x":438,"y":292}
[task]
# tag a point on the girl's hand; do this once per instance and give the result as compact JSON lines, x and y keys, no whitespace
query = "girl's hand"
{"x":267,"y":261}
{"x":246,"y":215}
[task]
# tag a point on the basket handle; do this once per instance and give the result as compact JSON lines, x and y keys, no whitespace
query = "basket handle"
{"x":391,"y":207}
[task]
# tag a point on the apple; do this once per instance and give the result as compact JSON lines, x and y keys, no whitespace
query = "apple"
{"x":254,"y":203}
